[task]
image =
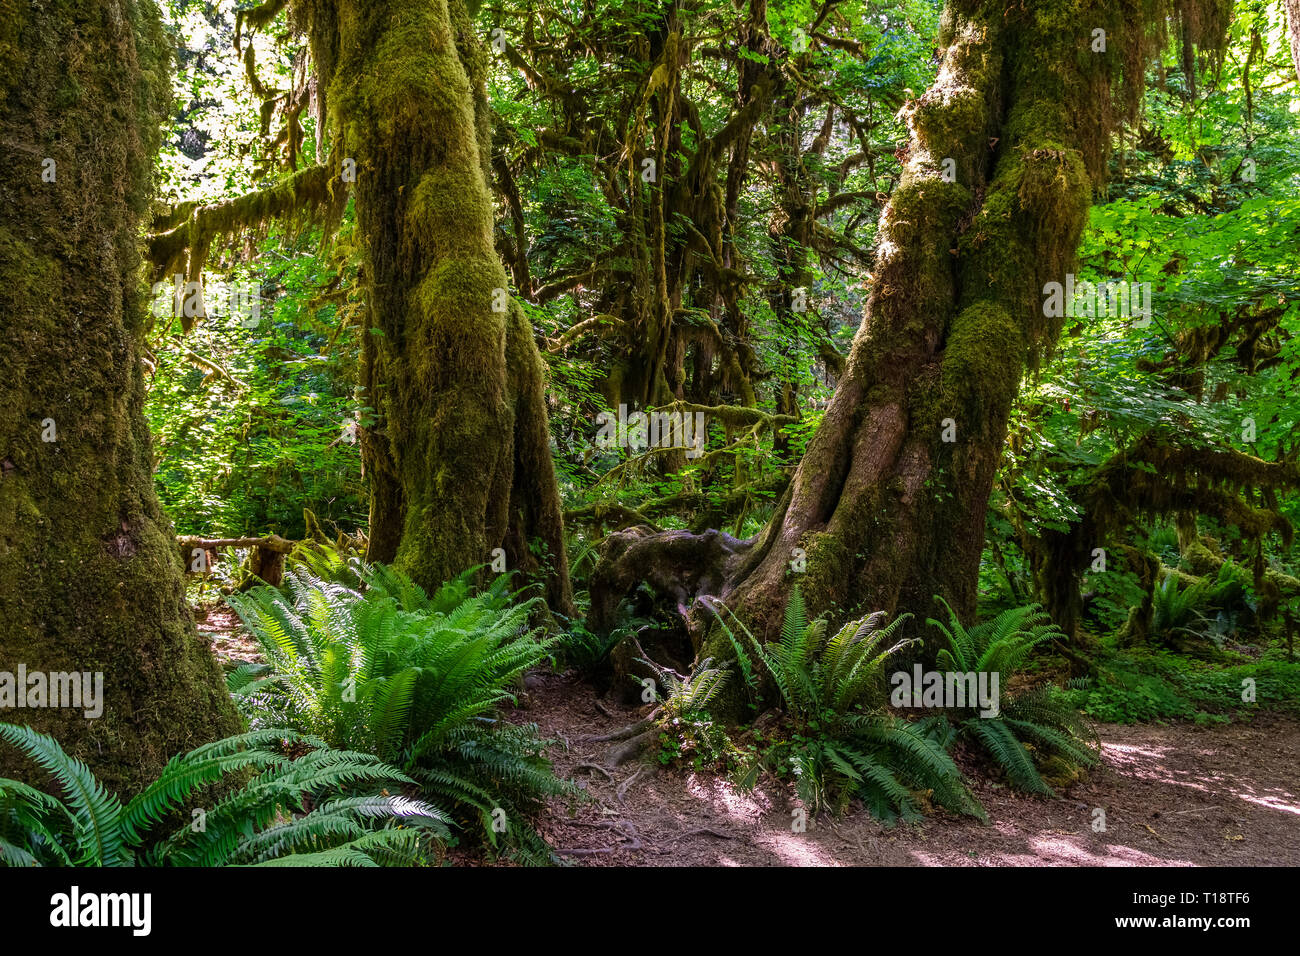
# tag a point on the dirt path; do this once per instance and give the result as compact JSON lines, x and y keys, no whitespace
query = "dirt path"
{"x":1173,"y":796}
{"x":1177,"y":795}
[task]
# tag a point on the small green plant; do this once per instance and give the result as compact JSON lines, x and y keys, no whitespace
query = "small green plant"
{"x":417,"y":680}
{"x":1120,"y":695}
{"x":1154,"y":684}
{"x":686,"y":729}
{"x":324,"y":808}
{"x":839,"y":743}
{"x":1177,"y":612}
{"x":585,"y":650}
{"x":1034,"y":729}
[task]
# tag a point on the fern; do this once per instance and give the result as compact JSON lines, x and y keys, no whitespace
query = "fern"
{"x":1177,"y":612}
{"x":414,"y":679}
{"x":1030,"y":725}
{"x":94,"y":812}
{"x":841,"y":743}
{"x":264,"y":820}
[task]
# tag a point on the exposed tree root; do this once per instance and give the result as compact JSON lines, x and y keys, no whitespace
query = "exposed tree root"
{"x":633,"y":748}
{"x":596,"y":767}
{"x":707,"y":831}
{"x":621,"y":794}
{"x":626,"y":732}
{"x":629,"y":832}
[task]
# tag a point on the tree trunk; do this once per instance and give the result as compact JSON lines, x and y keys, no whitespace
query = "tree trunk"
{"x":889,"y":502}
{"x":1293,"y":26}
{"x":89,"y":576}
{"x":887,"y":508}
{"x":459,"y":458}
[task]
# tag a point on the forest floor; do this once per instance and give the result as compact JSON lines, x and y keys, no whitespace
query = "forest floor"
{"x":1173,"y":795}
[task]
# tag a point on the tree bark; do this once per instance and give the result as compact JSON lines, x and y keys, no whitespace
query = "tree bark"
{"x":889,"y":502}
{"x":887,"y":508}
{"x":90,"y":578}
{"x":459,"y":457}
{"x":1293,"y":27}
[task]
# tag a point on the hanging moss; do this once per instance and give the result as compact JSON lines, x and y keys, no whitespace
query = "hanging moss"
{"x":1153,"y":478}
{"x":183,"y":237}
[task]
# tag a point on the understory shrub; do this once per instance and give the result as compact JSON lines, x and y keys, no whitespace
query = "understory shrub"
{"x":837,"y":741}
{"x":1036,"y":729}
{"x":324,"y":807}
{"x":417,"y":680}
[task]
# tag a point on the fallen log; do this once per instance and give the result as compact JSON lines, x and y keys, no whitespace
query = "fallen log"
{"x":266,"y":561}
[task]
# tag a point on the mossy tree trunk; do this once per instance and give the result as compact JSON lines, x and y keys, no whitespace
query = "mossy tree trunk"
{"x":887,"y":507}
{"x":459,"y":459}
{"x":89,"y":573}
{"x":1293,"y":27}
{"x":889,"y":502}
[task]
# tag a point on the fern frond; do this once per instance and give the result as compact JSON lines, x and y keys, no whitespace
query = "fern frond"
{"x":1009,"y":754}
{"x":95,"y":812}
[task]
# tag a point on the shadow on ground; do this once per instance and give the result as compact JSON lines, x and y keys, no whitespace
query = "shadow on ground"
{"x":1177,"y":795}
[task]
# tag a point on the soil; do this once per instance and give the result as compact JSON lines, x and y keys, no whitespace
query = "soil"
{"x":231,"y":643}
{"x":1173,"y":795}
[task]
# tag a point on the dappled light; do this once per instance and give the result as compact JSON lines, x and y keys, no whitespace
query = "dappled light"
{"x":469,"y":438}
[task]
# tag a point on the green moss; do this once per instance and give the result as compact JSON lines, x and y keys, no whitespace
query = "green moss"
{"x":450,"y":206}
{"x":983,"y":360}
{"x":947,"y":121}
{"x":89,"y":575}
{"x":462,"y":449}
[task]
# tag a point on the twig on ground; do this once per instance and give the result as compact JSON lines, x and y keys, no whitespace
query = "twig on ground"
{"x":707,"y":831}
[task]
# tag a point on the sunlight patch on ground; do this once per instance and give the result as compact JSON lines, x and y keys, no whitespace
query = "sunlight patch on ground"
{"x":795,"y":849}
{"x":1149,"y":764}
{"x":1124,"y":755}
{"x":726,"y":800}
{"x":1271,"y":802}
{"x":1052,"y":851}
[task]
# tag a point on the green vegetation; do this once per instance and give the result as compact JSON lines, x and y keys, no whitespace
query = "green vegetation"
{"x":392,"y":388}
{"x":1161,"y":686}
{"x":1034,"y":728}
{"x":417,"y":680}
{"x":837,"y":743}
{"x":322,"y":807}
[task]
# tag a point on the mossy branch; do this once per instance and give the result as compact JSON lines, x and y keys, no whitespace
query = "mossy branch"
{"x":732,"y":415}
{"x":189,"y":231}
{"x":601,"y":323}
{"x":602,"y":513}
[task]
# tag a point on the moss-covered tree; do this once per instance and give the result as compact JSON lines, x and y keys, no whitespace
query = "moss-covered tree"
{"x":1293,"y":30}
{"x":458,"y":455}
{"x":90,"y":579}
{"x":888,"y":505}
